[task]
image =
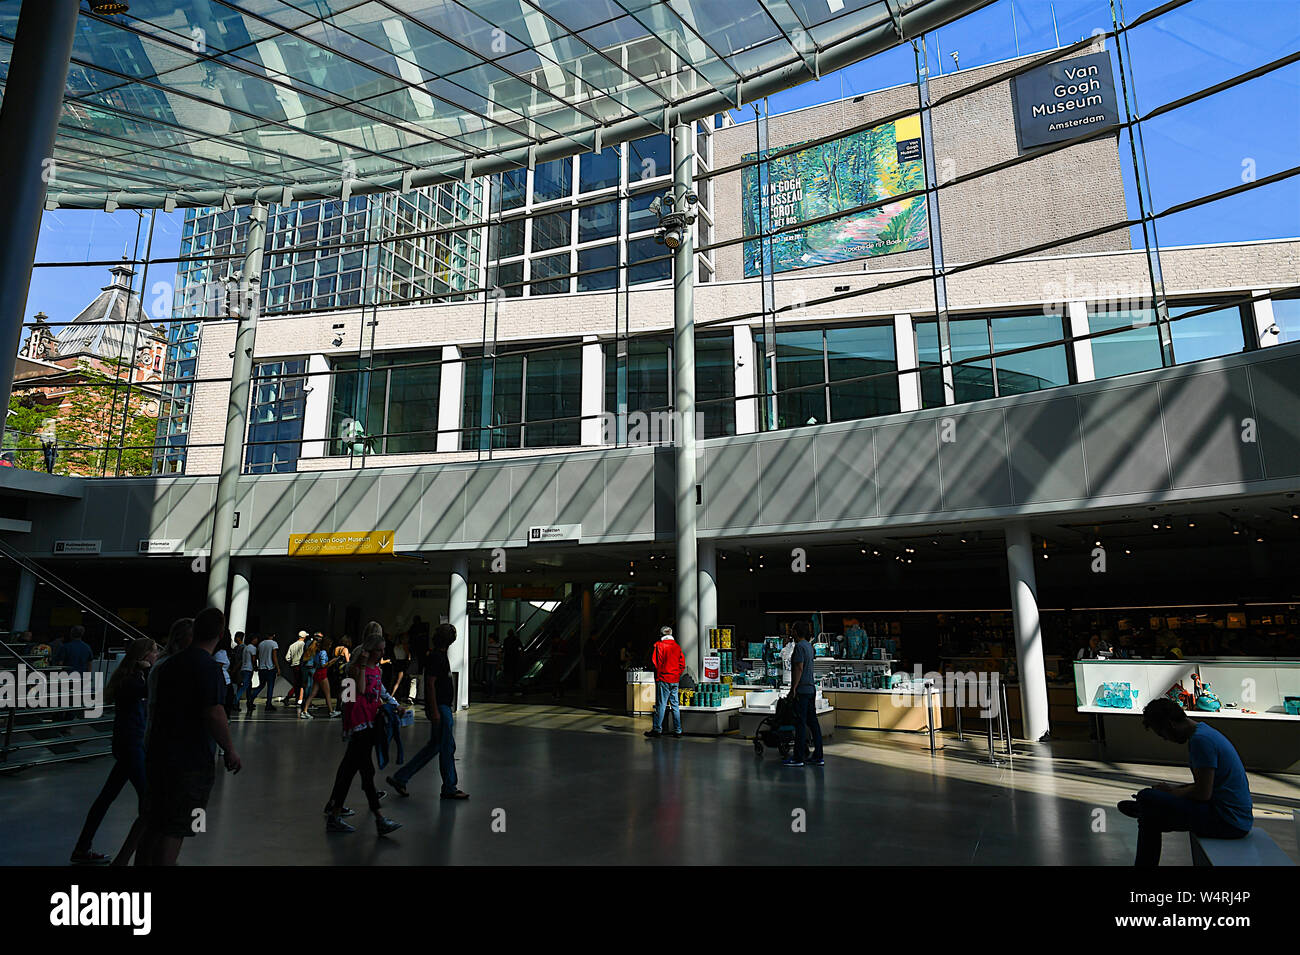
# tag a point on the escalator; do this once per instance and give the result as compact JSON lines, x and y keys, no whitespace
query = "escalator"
{"x":35,"y":735}
{"x":555,"y":649}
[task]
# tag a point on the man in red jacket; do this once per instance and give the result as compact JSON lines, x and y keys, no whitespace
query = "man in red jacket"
{"x":668,"y":662}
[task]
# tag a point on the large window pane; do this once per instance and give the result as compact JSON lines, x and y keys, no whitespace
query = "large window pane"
{"x":1206,"y":336}
{"x":554,"y":392}
{"x":413,"y":405}
{"x":598,"y":268}
{"x":715,"y":383}
{"x":855,"y":353}
{"x":509,"y":278}
{"x":639,"y":216}
{"x":799,"y":362}
{"x":545,"y":267}
{"x":1122,"y":353}
{"x":551,"y":231}
{"x":929,"y":360}
{"x":1286,"y":316}
{"x":352,"y":419}
{"x":1032,"y":370}
{"x":507,"y":239}
{"x":496,"y":385}
{"x":649,"y":158}
{"x":553,"y":180}
{"x":640,"y":270}
{"x":599,"y":170}
{"x":598,"y":222}
{"x":969,"y":338}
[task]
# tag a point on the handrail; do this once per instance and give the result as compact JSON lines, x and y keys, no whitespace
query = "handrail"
{"x":51,"y":579}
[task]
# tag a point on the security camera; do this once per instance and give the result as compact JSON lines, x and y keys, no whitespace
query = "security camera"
{"x":656,"y":204}
{"x":692,"y":198}
{"x":338,"y":340}
{"x":673,"y":238}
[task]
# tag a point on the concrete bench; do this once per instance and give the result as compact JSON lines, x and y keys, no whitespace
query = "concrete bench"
{"x":1257,"y":848}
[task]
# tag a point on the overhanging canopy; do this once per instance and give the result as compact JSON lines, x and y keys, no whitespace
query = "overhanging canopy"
{"x":213,"y":102}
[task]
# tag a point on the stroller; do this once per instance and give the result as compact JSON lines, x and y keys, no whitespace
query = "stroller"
{"x":777,"y":730}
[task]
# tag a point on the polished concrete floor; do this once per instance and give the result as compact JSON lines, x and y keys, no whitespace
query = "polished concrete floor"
{"x":580,"y":787}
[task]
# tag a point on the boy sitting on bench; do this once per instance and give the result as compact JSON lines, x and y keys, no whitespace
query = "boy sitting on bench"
{"x":1216,"y":804}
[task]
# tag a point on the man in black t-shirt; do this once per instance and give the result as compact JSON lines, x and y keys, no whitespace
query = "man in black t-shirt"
{"x":440,"y":706}
{"x":188,"y":722}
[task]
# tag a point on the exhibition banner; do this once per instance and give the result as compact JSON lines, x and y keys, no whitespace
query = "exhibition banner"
{"x":855,"y":170}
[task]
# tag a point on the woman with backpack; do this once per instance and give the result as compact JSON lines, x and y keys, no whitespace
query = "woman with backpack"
{"x":360,"y":724}
{"x":127,"y":691}
{"x":316,"y":673}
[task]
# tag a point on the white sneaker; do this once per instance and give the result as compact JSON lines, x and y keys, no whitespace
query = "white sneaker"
{"x":304,"y":715}
{"x":336,"y":714}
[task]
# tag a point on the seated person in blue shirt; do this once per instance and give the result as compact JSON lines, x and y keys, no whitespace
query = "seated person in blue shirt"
{"x":1216,"y":804}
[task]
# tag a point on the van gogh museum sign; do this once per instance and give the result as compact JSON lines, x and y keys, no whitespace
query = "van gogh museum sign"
{"x":1065,"y":99}
{"x":865,"y":168}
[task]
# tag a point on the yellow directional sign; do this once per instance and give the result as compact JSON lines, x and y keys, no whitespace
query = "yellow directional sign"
{"x":341,"y":544}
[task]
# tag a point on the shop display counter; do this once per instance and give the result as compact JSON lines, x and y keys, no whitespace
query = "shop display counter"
{"x":1258,"y":707}
{"x":711,"y":720}
{"x":760,"y":704}
{"x":640,"y":692}
{"x":882,"y":710}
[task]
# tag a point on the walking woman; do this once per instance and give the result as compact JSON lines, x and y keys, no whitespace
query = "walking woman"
{"x":360,"y":716}
{"x":316,"y":672}
{"x":126,"y":690}
{"x":401,"y":667}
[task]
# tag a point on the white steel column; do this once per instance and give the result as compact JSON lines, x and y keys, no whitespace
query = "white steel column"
{"x":708,"y":595}
{"x":450,"y":398}
{"x":909,"y":385}
{"x":316,"y":413}
{"x":458,"y":617}
{"x":745,"y":359}
{"x":240,"y":584}
{"x":593,"y":390}
{"x":1077,"y":313}
{"x":1264,"y":320}
{"x":688,"y":584}
{"x":1028,"y":632}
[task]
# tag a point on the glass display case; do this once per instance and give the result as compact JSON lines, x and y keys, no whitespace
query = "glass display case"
{"x":1216,"y":688}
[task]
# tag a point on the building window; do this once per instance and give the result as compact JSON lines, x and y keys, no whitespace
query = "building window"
{"x":553,"y":180}
{"x":597,"y":222}
{"x":1286,"y":316}
{"x":275,"y":417}
{"x":598,"y":268}
{"x":825,"y":374}
{"x":649,"y":158}
{"x":523,"y":399}
{"x":648,"y":261}
{"x":551,"y":231}
{"x":1208,"y":335}
{"x":975,"y":374}
{"x":600,"y":170}
{"x":380,"y":409}
{"x":512,"y":190}
{"x":1124,"y":352}
{"x":647,"y":384}
{"x":546,"y":266}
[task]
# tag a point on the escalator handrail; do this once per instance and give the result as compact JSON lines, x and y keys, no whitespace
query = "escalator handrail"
{"x":66,"y":589}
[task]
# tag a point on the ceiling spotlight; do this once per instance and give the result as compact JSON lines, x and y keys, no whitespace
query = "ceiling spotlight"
{"x":108,"y":8}
{"x":1127,"y":551}
{"x":1295,"y":515}
{"x":1155,"y":526}
{"x":1191,"y":524}
{"x":1236,"y":528}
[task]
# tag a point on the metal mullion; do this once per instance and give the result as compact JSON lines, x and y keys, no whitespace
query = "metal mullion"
{"x":599,"y":52}
{"x":484,"y":61}
{"x":686,"y":27}
{"x":560,"y":66}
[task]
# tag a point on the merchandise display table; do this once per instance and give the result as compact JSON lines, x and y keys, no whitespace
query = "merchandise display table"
{"x":881,"y":710}
{"x":710,"y":720}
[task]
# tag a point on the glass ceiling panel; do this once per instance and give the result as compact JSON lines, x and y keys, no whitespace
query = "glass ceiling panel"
{"x":193,"y":100}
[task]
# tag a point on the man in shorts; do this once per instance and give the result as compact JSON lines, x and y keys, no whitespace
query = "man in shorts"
{"x":189,"y":721}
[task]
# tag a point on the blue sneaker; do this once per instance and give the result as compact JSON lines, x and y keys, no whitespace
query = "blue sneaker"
{"x":791,"y":762}
{"x":817,"y":761}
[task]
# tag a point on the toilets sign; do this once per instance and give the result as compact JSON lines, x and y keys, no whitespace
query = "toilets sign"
{"x":1065,"y":99}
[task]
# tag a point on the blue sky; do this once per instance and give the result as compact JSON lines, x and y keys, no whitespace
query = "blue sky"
{"x":1200,"y":149}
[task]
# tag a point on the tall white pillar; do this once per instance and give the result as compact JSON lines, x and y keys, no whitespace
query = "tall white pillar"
{"x":1028,"y":632}
{"x":745,"y":358}
{"x":23,"y":602}
{"x":909,"y":385}
{"x":458,"y":617}
{"x":1264,"y":321}
{"x":316,"y":410}
{"x":450,"y":384}
{"x":240,"y":583}
{"x":593,"y":390}
{"x":1077,"y":313}
{"x":708,"y":595}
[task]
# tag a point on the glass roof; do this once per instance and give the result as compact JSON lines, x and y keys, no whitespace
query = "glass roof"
{"x":225,"y":100}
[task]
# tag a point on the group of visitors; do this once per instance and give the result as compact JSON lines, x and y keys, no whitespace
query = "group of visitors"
{"x":169,"y":719}
{"x":171,"y":715}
